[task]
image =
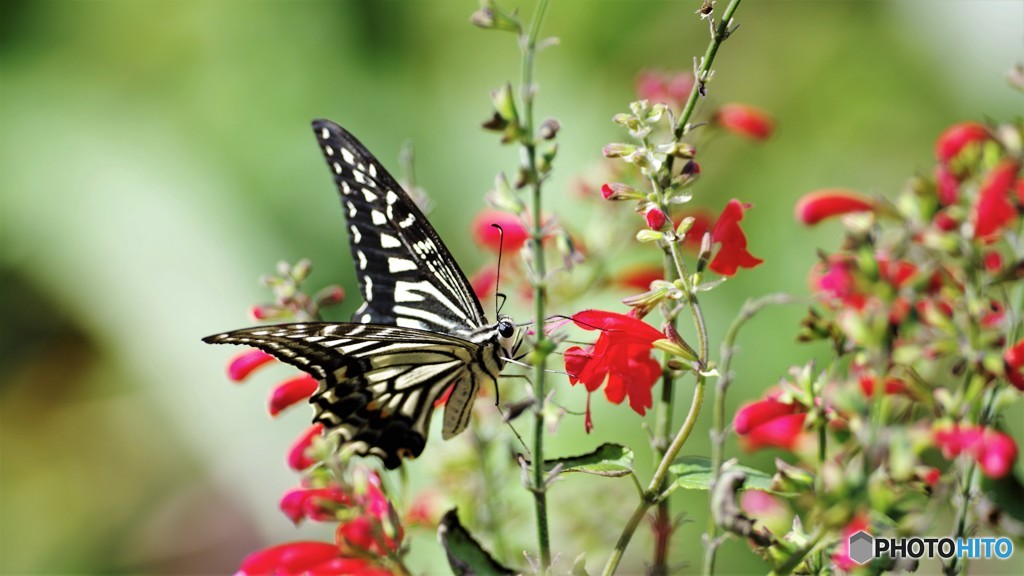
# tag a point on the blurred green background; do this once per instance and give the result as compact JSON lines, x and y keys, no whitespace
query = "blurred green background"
{"x":155,"y":159}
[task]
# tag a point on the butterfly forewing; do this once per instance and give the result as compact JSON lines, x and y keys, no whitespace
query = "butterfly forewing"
{"x":406,"y":274}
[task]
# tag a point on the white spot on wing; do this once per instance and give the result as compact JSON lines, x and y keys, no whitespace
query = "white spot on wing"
{"x":369,"y":288}
{"x":359,"y":177}
{"x":407,"y":222}
{"x":344,"y":185}
{"x":351,"y":209}
{"x":373,"y":171}
{"x":389,"y":241}
{"x":347,"y":155}
{"x":391,"y":197}
{"x":365,"y":319}
{"x":337,"y":168}
{"x":329,"y":150}
{"x":400,"y":265}
{"x":378,"y":217}
{"x":356,"y":236}
{"x":370,"y":196}
{"x":362,"y":259}
{"x":324,"y":133}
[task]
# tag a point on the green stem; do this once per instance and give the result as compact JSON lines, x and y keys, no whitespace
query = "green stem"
{"x":543,"y":347}
{"x":748,"y":311}
{"x":720,"y":34}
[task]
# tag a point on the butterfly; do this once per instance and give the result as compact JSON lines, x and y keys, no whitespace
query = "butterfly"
{"x":419,"y":332}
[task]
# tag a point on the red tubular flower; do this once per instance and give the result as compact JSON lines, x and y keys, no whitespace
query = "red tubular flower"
{"x":1014,"y":360}
{"x":291,"y":391}
{"x":744,"y":120}
{"x":244,"y":363}
{"x":947,"y":186}
{"x":994,"y":209}
{"x":291,"y":558}
{"x":620,"y":359}
{"x":733,"y":252}
{"x":994,"y":451}
{"x":483,"y":282}
{"x":297,"y":458}
{"x":822,"y":204}
{"x":957,"y":137}
{"x":488,"y":236}
{"x":892,"y":385}
{"x":770,"y":422}
{"x":318,"y":504}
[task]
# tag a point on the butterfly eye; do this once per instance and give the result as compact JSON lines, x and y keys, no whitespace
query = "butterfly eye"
{"x":506,"y":329}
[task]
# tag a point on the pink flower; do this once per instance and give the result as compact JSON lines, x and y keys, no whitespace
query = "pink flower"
{"x":298,"y":460}
{"x":957,"y":137}
{"x":770,"y":422}
{"x":841,"y":555}
{"x":488,"y":236}
{"x":672,"y":89}
{"x":822,"y":204}
{"x":744,"y":120}
{"x":318,"y":504}
{"x":620,"y":359}
{"x":947,"y":186}
{"x":365,"y":532}
{"x":732,"y":253}
{"x":291,"y":391}
{"x":1014,"y":363}
{"x":994,"y":209}
{"x":994,"y":451}
{"x":483,"y":281}
{"x":244,"y":363}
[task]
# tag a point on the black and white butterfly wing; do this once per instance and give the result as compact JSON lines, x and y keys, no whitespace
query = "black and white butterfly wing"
{"x":378,"y":384}
{"x":406,"y":274}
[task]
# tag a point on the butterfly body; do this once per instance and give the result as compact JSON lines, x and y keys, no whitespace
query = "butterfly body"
{"x":419,"y":331}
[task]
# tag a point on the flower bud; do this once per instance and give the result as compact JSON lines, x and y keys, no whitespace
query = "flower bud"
{"x":618,"y":150}
{"x":656,"y":219}
{"x":244,"y":363}
{"x":549,"y":129}
{"x":745,"y":121}
{"x":649,"y":236}
{"x":822,"y":204}
{"x":504,"y":103}
{"x":615,"y":191}
{"x":300,"y":271}
{"x":957,"y":137}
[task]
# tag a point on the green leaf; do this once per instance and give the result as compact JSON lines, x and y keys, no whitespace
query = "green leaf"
{"x":694,"y":473}
{"x":1006,"y":493}
{"x":465,"y":555}
{"x":613,"y":460}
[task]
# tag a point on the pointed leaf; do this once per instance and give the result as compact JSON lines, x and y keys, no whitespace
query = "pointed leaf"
{"x":579,"y":567}
{"x":694,"y":473}
{"x":465,"y":555}
{"x":613,"y":460}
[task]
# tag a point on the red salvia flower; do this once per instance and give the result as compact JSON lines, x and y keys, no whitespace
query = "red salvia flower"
{"x":365,"y":532}
{"x":957,"y":137}
{"x":1014,"y":360}
{"x":620,"y":359}
{"x":246,"y":362}
{"x":994,"y":209}
{"x":770,"y":422}
{"x":488,"y":236}
{"x":318,"y":504}
{"x":290,"y":392}
{"x":298,"y":460}
{"x":732,"y":253}
{"x":306,"y":559}
{"x":656,"y":219}
{"x":994,"y":451}
{"x":947,"y":186}
{"x":744,"y":120}
{"x":821,"y":204}
{"x":483,"y":281}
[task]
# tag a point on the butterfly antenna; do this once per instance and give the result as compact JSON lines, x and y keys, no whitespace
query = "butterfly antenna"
{"x":497,"y":275}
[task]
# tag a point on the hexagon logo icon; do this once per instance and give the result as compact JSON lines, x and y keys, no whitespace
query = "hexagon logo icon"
{"x":861,"y":547}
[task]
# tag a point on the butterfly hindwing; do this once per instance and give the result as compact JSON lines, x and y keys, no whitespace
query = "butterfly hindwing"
{"x":406,"y":274}
{"x":378,"y":384}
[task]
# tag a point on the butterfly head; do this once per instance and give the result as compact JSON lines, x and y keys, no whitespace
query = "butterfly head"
{"x":510,"y":337}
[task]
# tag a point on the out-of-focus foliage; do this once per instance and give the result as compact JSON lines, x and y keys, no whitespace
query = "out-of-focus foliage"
{"x":155,"y":159}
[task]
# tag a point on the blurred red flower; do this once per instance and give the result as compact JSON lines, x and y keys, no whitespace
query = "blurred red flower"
{"x":672,"y":89}
{"x":317,"y":504}
{"x":994,"y":451}
{"x":1014,"y":360}
{"x":744,"y":120}
{"x":246,"y":362}
{"x":489,"y":237}
{"x":994,"y":209}
{"x":306,"y":559}
{"x":298,"y":460}
{"x":821,"y":204}
{"x":291,"y":392}
{"x":770,"y":422}
{"x":957,"y":137}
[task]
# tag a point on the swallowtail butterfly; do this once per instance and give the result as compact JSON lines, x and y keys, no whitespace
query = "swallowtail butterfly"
{"x":419,"y":332}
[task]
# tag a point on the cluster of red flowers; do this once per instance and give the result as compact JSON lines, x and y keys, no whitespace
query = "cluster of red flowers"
{"x":367,"y":532}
